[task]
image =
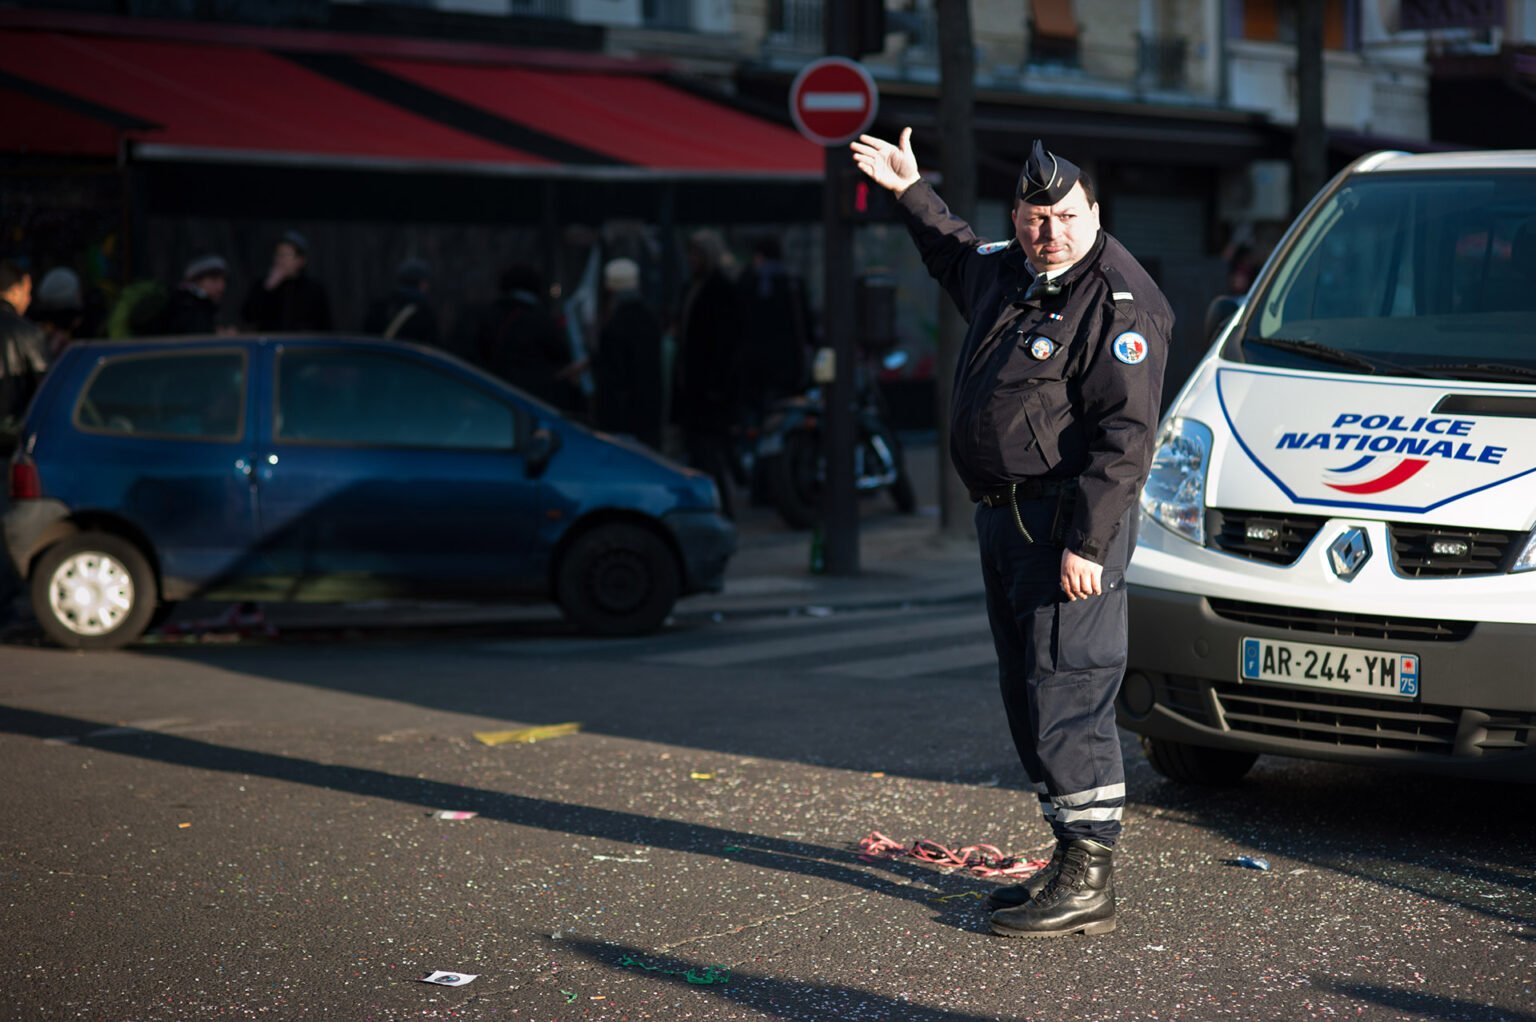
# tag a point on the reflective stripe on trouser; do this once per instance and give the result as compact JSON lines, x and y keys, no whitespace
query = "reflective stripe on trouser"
{"x":1060,"y":663}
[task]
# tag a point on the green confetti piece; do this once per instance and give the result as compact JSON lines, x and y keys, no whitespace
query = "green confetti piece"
{"x":568,"y":995}
{"x":699,"y":977}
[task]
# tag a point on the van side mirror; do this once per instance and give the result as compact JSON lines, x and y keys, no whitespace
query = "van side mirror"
{"x":538,"y":449}
{"x":1221,"y":309}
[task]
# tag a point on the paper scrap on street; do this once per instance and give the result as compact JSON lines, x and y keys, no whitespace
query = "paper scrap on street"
{"x":528,"y":734}
{"x":1249,"y":862}
{"x":701,"y":775}
{"x":454,"y":814}
{"x":451,"y":979}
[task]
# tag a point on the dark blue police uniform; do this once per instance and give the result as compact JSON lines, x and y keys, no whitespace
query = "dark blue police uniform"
{"x":1055,"y":410}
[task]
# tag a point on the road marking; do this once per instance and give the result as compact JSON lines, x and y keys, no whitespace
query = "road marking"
{"x":951,"y":627}
{"x":934,"y":661}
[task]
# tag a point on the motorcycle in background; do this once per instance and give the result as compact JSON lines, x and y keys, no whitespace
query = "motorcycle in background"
{"x":790,"y":458}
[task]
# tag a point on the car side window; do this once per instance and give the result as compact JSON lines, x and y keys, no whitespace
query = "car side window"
{"x":192,"y":395}
{"x":371,"y":398}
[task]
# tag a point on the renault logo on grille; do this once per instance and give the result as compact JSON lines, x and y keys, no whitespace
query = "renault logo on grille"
{"x":1349,"y":553}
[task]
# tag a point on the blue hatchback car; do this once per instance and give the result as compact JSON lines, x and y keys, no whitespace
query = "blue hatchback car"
{"x":335,"y":469}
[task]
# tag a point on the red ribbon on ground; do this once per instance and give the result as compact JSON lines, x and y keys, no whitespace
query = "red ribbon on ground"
{"x":978,"y":860}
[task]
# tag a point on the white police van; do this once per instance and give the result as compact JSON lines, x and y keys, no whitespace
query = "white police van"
{"x":1336,"y":557}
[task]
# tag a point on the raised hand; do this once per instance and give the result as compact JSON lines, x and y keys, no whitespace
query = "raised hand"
{"x":891,"y":167}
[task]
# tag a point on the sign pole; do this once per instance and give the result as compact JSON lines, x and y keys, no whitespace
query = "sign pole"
{"x":840,"y":509}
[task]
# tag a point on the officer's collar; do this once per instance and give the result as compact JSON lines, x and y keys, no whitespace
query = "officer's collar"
{"x":1072,"y":273}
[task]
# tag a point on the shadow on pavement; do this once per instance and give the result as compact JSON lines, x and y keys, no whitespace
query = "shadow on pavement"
{"x":559,"y":817}
{"x":770,"y":995}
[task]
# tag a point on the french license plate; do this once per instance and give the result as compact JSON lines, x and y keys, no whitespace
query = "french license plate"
{"x":1364,"y":671}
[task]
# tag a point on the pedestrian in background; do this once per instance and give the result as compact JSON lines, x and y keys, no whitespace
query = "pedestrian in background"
{"x":287,"y":299}
{"x":627,"y":364}
{"x":522,"y":342}
{"x":406,"y":313}
{"x":193,"y":307}
{"x":58,"y":307}
{"x":1054,"y":414}
{"x":23,"y":351}
{"x":704,"y":391}
{"x":776,"y":332}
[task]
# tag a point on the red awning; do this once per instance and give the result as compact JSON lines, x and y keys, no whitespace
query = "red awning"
{"x":82,"y":93}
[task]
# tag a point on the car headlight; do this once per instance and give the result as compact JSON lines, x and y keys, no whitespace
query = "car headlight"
{"x":1174,"y":495}
{"x":1527,"y":559}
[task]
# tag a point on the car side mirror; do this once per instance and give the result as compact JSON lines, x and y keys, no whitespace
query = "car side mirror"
{"x":538,"y":449}
{"x":1221,"y":309}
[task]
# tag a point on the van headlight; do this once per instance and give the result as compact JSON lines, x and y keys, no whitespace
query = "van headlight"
{"x":1527,"y":559}
{"x":1174,"y":495}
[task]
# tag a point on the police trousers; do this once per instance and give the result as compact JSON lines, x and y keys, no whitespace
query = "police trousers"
{"x":1060,"y":663}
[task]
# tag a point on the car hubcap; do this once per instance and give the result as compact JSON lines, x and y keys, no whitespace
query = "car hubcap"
{"x":620,"y":582}
{"x":90,"y":593}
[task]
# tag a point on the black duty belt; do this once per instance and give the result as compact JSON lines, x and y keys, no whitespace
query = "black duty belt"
{"x":1027,"y":489}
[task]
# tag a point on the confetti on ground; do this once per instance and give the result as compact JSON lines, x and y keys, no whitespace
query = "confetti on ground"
{"x":699,"y":775}
{"x":454,"y":814}
{"x":528,"y":734}
{"x":956,"y":897}
{"x":569,"y":995}
{"x":450,"y":979}
{"x":1249,"y":862}
{"x":183,"y":826}
{"x":980,"y":860}
{"x":699,"y":977}
{"x":878,"y":773}
{"x":617,"y":858}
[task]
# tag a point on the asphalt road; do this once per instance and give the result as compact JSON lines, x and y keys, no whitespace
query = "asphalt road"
{"x":213,"y":831}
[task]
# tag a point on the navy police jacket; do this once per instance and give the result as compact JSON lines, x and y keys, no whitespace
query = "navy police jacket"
{"x":1056,"y":386}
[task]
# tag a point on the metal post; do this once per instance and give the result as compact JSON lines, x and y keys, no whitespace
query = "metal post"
{"x":840,"y":510}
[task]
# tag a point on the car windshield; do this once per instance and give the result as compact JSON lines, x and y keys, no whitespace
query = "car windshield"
{"x":1408,"y":274}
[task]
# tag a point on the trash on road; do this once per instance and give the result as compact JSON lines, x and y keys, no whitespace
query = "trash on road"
{"x":617,"y":858}
{"x":450,"y":979}
{"x":979,"y":860}
{"x":528,"y":734}
{"x":454,"y":814}
{"x":702,"y":775}
{"x":1249,"y":862}
{"x":699,"y":977}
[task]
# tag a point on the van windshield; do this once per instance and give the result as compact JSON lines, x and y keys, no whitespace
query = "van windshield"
{"x":1408,"y":274}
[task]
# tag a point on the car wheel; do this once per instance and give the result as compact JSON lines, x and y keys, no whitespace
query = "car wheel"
{"x":618,"y":580}
{"x":93,"y":591}
{"x":1196,"y":764}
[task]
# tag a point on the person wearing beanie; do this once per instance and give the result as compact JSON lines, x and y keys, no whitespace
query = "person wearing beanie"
{"x":627,"y":365}
{"x":193,"y":307}
{"x":1053,"y":419}
{"x":406,"y":313}
{"x":58,"y":306}
{"x":287,"y":299}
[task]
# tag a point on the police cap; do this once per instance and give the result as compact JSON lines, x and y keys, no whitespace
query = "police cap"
{"x":1046,"y":178}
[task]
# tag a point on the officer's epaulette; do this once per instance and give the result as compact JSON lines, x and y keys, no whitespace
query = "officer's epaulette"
{"x":1119,"y":288}
{"x":993,"y":247}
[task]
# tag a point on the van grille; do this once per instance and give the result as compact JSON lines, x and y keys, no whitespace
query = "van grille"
{"x":1336,"y":719}
{"x":1277,"y":539}
{"x":1421,"y":551}
{"x":1331,"y":622}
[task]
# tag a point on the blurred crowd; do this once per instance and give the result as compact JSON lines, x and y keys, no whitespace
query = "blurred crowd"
{"x":705,"y":362}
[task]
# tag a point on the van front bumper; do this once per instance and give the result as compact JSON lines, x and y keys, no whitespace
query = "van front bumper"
{"x":1475,"y":713}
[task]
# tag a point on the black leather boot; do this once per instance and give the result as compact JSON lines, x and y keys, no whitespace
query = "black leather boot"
{"x":1080,"y":899}
{"x":1022,"y":894}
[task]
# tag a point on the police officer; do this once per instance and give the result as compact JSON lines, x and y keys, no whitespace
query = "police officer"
{"x":1054,"y":413}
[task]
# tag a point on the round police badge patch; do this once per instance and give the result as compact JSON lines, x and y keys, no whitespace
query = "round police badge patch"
{"x":1130,"y":347}
{"x":1042,"y":348}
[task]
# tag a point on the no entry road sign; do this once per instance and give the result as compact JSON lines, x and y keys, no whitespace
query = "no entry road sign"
{"x":833,"y":100}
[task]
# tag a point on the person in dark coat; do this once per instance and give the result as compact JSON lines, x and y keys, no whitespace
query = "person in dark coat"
{"x":287,"y":299}
{"x":627,"y":365}
{"x":704,"y":395}
{"x":524,"y":344}
{"x":775,"y":329}
{"x":193,"y":308}
{"x":1053,"y":418}
{"x":406,"y":313}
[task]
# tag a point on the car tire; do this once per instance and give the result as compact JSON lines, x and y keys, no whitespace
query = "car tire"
{"x":618,"y":580}
{"x":1196,"y":764}
{"x":93,"y":591}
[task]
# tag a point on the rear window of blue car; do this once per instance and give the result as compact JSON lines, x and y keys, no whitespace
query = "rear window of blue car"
{"x":187,"y":395}
{"x":378,"y":399}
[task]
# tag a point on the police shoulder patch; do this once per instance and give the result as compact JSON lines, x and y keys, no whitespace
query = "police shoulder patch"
{"x":992,"y":247}
{"x":1130,"y":347}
